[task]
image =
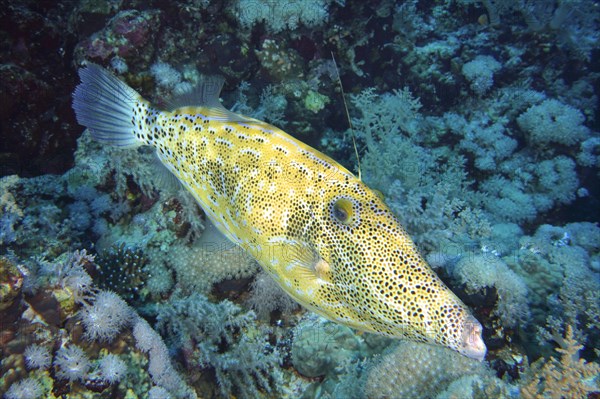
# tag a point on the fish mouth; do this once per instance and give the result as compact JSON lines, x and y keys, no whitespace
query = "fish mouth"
{"x":472,"y":344}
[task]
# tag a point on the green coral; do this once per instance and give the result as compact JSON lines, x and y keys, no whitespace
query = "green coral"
{"x":315,"y":101}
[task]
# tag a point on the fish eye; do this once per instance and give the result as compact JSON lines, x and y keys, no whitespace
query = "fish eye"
{"x":342,"y":210}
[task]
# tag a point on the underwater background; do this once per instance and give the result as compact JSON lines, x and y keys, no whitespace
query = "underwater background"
{"x":478,"y":122}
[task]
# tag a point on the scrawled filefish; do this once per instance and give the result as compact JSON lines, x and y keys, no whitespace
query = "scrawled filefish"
{"x":327,"y":239}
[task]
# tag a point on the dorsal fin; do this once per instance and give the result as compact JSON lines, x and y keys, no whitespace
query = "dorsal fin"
{"x":206,"y":95}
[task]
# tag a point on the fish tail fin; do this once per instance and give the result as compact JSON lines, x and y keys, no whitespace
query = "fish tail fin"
{"x":112,"y":111}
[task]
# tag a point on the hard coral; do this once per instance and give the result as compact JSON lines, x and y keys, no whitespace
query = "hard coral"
{"x":569,"y":377}
{"x":200,"y":266}
{"x":416,"y":370}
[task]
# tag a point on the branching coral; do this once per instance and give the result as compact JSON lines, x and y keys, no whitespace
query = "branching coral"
{"x":569,"y":377}
{"x":201,"y":328}
{"x":267,"y":296}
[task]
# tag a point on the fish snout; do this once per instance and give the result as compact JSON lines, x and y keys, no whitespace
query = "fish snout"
{"x":471,"y":344}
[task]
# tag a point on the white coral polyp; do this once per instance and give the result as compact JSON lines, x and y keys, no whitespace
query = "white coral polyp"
{"x":105,"y":318}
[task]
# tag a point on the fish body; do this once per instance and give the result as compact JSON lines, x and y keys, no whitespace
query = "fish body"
{"x":327,"y":239}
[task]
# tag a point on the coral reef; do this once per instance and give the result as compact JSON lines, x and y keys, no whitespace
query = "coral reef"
{"x":477,"y":121}
{"x":569,"y":377}
{"x":266,"y":296}
{"x":414,"y":370}
{"x":480,"y":271}
{"x":279,"y":16}
{"x":199,"y":327}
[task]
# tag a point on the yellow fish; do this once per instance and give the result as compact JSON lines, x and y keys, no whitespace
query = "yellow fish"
{"x":327,"y":239}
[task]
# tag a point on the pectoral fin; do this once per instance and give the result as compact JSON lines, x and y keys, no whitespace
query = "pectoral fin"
{"x":301,"y":258}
